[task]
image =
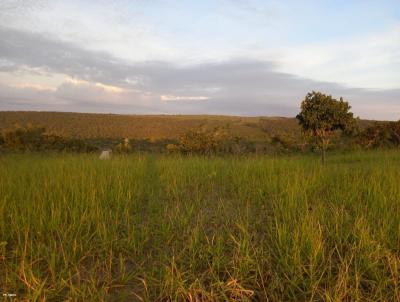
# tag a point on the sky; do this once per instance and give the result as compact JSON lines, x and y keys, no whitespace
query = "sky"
{"x":228,"y":57}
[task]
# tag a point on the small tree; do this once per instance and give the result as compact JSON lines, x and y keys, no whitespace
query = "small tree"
{"x":125,"y":146}
{"x":321,"y":116}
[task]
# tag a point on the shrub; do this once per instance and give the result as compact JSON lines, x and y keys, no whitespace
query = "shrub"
{"x":380,"y":135}
{"x":33,"y":138}
{"x":204,"y":141}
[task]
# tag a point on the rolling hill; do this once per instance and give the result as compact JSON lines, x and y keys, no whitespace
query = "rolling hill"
{"x":89,"y":125}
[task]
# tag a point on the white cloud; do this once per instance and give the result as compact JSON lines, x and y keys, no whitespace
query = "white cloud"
{"x":371,"y":61}
{"x":99,"y":86}
{"x":103,"y":27}
{"x":20,"y":76}
{"x":183,"y":98}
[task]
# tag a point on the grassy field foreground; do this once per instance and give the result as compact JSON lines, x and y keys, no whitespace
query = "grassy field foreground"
{"x":196,"y":229}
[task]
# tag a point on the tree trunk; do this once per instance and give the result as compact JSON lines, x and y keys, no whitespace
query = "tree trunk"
{"x":325,"y":143}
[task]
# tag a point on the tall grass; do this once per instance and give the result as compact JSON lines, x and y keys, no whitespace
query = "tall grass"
{"x":146,"y":228}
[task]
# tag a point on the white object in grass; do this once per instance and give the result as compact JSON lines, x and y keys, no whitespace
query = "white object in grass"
{"x":105,"y":154}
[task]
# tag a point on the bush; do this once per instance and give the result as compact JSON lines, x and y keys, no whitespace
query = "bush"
{"x":124,"y":146}
{"x":204,"y":141}
{"x":23,"y":138}
{"x":32,"y":138}
{"x":380,"y":135}
{"x":285,"y":142}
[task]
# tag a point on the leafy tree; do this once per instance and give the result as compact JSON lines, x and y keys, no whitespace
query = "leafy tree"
{"x":322,"y":116}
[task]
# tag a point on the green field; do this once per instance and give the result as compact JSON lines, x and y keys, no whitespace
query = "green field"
{"x":157,"y":228}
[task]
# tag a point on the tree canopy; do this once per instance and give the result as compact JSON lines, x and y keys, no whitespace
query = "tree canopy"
{"x":321,"y":116}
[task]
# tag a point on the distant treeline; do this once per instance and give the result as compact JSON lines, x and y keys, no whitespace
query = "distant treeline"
{"x":199,"y":140}
{"x":30,"y":138}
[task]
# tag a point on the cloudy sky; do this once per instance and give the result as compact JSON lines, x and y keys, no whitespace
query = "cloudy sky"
{"x":231,"y":57}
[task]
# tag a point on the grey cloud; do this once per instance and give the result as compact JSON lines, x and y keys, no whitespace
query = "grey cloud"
{"x":51,"y":55}
{"x":25,"y":94}
{"x":240,"y":87}
{"x":83,"y":98}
